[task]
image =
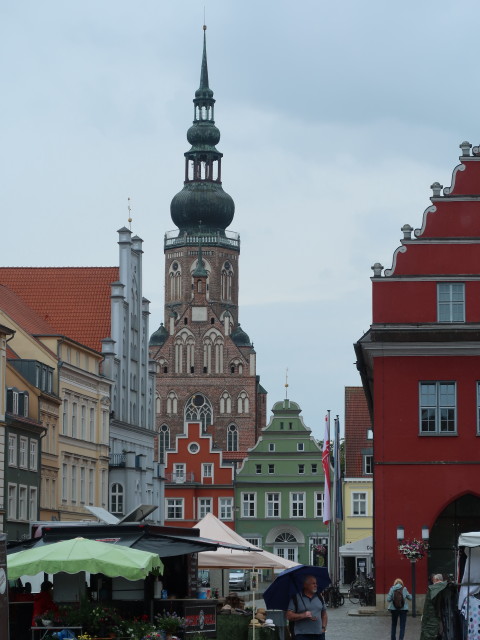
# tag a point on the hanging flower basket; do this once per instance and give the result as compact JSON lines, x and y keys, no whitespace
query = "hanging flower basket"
{"x":413,"y":549}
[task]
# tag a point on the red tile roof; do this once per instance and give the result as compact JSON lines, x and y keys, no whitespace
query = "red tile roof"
{"x":22,"y":314}
{"x":234,"y":455}
{"x":74,"y":301}
{"x":357,"y":423}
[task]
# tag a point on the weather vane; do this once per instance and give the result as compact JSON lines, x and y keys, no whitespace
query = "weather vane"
{"x":129,"y":214}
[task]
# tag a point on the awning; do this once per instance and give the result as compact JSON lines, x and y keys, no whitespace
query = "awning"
{"x":363,"y":547}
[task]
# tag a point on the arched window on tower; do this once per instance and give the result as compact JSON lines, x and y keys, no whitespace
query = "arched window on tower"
{"x":175,"y":277}
{"x":225,"y":403}
{"x":199,"y":409}
{"x":232,"y":437}
{"x":243,"y":403}
{"x":172,"y":403}
{"x":184,"y":351}
{"x":158,"y":403}
{"x":163,"y":442}
{"x":226,"y":281}
{"x":236,"y":366}
{"x":208,"y":269}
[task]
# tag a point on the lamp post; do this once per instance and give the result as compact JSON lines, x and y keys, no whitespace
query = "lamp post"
{"x":413,"y":562}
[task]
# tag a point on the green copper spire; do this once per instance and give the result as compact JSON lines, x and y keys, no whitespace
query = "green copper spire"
{"x":202,"y":197}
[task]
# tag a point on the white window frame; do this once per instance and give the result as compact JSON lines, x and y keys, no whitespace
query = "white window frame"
{"x":207,"y":471}
{"x":249,"y":504}
{"x":82,"y":485}
{"x":438,"y":407}
{"x":74,"y":419}
{"x":23,"y":453}
{"x":314,"y":467}
{"x":204,"y":506}
{"x":12,"y":450}
{"x":318,"y":506}
{"x":174,"y":508}
{"x":117,"y":498}
{"x":368,"y":464}
{"x":271,"y":468}
{"x":92,"y":425}
{"x":12,"y":498}
{"x":179,"y":472}
{"x":33,"y":454}
{"x":32,"y":503}
{"x":300,"y":446}
{"x":301,"y":469}
{"x":73,"y":484}
{"x":297,"y":505}
{"x":225,"y":509}
{"x":450,"y":302}
{"x":359,"y":501}
{"x":22,"y":502}
{"x":64,"y":482}
{"x":271,"y":447}
{"x":273,"y":504}
{"x":91,"y":486}
{"x":258,"y":469}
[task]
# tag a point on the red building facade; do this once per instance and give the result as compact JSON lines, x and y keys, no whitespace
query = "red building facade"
{"x":197,"y":480}
{"x":420,"y":368}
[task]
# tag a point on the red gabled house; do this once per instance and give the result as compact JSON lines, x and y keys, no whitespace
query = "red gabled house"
{"x":198,"y":481}
{"x":420,"y":368}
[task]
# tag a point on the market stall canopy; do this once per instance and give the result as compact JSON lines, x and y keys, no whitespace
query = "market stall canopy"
{"x":471,"y":539}
{"x":213,"y":528}
{"x":79,"y":554}
{"x":363,"y":547}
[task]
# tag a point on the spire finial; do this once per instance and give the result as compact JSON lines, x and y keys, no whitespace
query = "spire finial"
{"x":286,"y":383}
{"x":129,"y":214}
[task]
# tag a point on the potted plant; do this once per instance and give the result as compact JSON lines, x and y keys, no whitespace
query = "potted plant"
{"x":170,"y":623}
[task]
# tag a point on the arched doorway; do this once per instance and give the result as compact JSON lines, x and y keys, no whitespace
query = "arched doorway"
{"x":458,"y":517}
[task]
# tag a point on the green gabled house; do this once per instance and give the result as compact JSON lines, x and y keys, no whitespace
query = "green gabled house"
{"x":279,"y":490}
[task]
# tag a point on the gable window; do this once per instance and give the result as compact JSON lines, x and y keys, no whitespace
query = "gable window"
{"x":319,"y":504}
{"x":249,"y":505}
{"x":271,"y":446}
{"x":272,"y":507}
{"x":225,"y":508}
{"x":451,"y":302}
{"x":297,"y":505}
{"x":207,"y":471}
{"x":368,"y":464}
{"x":179,"y":472}
{"x":300,"y":446}
{"x":438,"y":408}
{"x":174,"y":508}
{"x":204,"y":507}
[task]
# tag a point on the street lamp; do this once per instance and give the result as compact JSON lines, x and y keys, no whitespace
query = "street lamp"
{"x":413,"y":562}
{"x":400,"y":533}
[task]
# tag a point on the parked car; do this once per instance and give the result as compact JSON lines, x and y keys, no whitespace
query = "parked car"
{"x":239,"y":579}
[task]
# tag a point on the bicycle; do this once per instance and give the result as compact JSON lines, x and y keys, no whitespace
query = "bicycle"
{"x":333,"y":597}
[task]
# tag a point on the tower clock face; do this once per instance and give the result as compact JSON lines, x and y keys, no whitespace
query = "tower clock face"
{"x":175,"y":266}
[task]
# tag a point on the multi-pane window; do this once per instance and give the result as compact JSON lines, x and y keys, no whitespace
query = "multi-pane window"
{"x":258,"y":468}
{"x":82,"y":484}
{"x":301,"y":468}
{"x":204,"y":507}
{"x":249,"y":505}
{"x":174,"y":508}
{"x":314,"y":468}
{"x":33,"y":455}
{"x":116,"y":498}
{"x":359,"y":503}
{"x":232,"y":438}
{"x":179,"y":472}
{"x":368,"y":464}
{"x":64,"y":482}
{"x":319,"y":504}
{"x":300,"y":446}
{"x":225,"y":508}
{"x":92,"y":425}
{"x":22,"y":503}
{"x":12,"y":501}
{"x":297,"y":505}
{"x":199,"y":409}
{"x":438,"y":407}
{"x":272,"y":505}
{"x":74,"y":484}
{"x":32,"y":503}
{"x":74,"y":420}
{"x":83,"y":422}
{"x":271,"y":469}
{"x":65,"y":417}
{"x":12,"y":450}
{"x":271,"y":446}
{"x":91,"y":486}
{"x":451,"y":302}
{"x":23,"y":452}
{"x":163,"y":442}
{"x":207,"y":470}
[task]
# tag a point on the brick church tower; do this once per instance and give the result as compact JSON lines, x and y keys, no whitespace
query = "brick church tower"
{"x":206,"y":363}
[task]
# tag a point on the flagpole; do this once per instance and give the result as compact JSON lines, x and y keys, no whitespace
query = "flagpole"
{"x":334,"y":520}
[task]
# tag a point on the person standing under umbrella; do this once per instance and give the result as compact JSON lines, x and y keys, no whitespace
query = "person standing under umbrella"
{"x":308,"y":612}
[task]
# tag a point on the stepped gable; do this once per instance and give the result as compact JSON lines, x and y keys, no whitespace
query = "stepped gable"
{"x":75,"y":301}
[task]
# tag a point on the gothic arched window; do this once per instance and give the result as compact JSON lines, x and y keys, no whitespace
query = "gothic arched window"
{"x":213,"y":352}
{"x":175,"y":276}
{"x":172,"y":403}
{"x":184,"y":351}
{"x":226,"y":281}
{"x":232,"y":438}
{"x":163,"y":442}
{"x":243,"y":403}
{"x":199,"y":409}
{"x":225,"y":403}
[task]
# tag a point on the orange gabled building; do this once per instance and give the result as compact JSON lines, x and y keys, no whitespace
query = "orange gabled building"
{"x":198,"y":481}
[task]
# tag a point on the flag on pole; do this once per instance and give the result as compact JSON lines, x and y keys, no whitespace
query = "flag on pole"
{"x":338,"y":473}
{"x":327,"y":514}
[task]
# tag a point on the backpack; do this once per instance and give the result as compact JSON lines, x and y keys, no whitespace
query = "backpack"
{"x":291,"y":623}
{"x":398,"y":599}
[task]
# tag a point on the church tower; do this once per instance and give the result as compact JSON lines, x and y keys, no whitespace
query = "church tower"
{"x":206,"y":364}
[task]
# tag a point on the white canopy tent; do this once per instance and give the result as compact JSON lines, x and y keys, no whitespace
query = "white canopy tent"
{"x":213,"y":528}
{"x":470,"y":581}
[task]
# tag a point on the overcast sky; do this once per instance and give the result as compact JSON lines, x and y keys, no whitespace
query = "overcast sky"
{"x":335,"y":120}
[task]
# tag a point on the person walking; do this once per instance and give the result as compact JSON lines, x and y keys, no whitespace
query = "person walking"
{"x":308,"y":612}
{"x":397,"y":597}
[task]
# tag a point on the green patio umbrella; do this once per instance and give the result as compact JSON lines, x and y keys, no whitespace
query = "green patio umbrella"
{"x":80,"y":554}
